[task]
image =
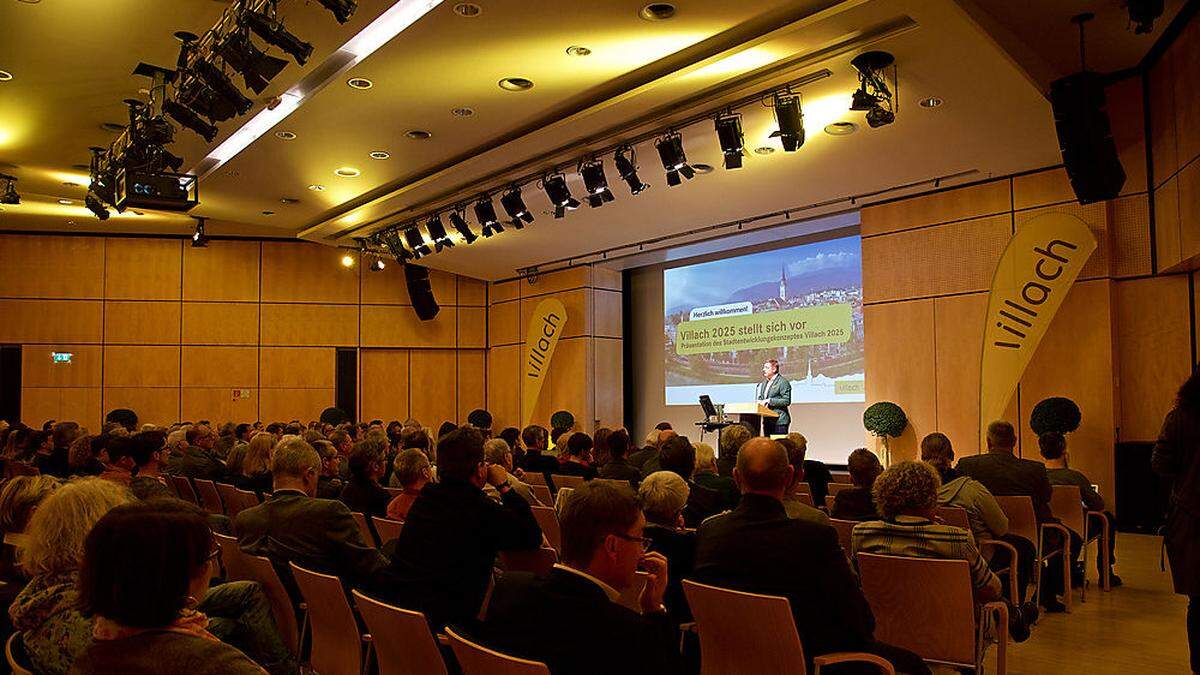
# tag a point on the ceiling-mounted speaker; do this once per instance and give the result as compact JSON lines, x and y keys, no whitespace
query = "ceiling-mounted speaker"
{"x":1085,"y":138}
{"x":420,"y":291}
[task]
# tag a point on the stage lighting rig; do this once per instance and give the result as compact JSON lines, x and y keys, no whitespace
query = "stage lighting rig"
{"x":437,"y":232}
{"x":256,"y":67}
{"x":595,"y":182}
{"x":626,"y":160}
{"x":733,"y":142}
{"x":873,"y":94}
{"x":674,"y":160}
{"x":199,"y":238}
{"x":93,"y":204}
{"x":8,"y":193}
{"x":556,"y":189}
{"x":485,"y":213}
{"x":188,"y":118}
{"x":416,"y":242}
{"x":1142,"y":14}
{"x":790,"y":118}
{"x":273,"y":32}
{"x":458,"y":219}
{"x":515,"y":207}
{"x":391,"y":241}
{"x":342,"y":9}
{"x":220,"y":83}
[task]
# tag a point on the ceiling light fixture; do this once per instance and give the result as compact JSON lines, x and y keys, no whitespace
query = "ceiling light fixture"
{"x":385,"y":27}
{"x":274,"y":34}
{"x":5,"y":76}
{"x":360,"y":83}
{"x":391,"y":240}
{"x":731,"y":138}
{"x":256,"y":66}
{"x":342,"y":9}
{"x":187,"y":117}
{"x":437,"y":232}
{"x":485,"y":215}
{"x":702,"y":168}
{"x":268,"y":213}
{"x":515,"y":84}
{"x":347,"y":260}
{"x":462,"y":111}
{"x":458,"y":220}
{"x":576,"y":50}
{"x":65,"y":202}
{"x":515,"y":207}
{"x":931,"y":102}
{"x":199,"y":237}
{"x":841,"y":128}
{"x":556,"y":189}
{"x":377,"y":265}
{"x":625,"y":158}
{"x":380,"y":154}
{"x":468,"y":10}
{"x":316,"y":187}
{"x":416,"y":243}
{"x":286,"y":135}
{"x":595,"y":182}
{"x":418,"y":134}
{"x":657,"y":11}
{"x":347,"y":172}
{"x":873,"y":94}
{"x":790,"y":118}
{"x":9,"y":194}
{"x":764,"y":150}
{"x":674,"y":160}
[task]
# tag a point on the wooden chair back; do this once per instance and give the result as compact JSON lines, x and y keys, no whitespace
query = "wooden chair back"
{"x":1022,"y":521}
{"x":534,"y":478}
{"x":15,"y":654}
{"x":364,"y":529}
{"x":336,"y":642}
{"x":566,"y":481}
{"x":938,"y":626}
{"x":210,"y":499}
{"x":386,"y":528}
{"x":1066,"y":503}
{"x":845,"y":529}
{"x":403,"y":643}
{"x":802,"y":488}
{"x":538,"y":561}
{"x":232,"y":559}
{"x":541,"y":491}
{"x":476,"y":659}
{"x":835,"y":488}
{"x":956,"y":516}
{"x":744,"y":632}
{"x":547,"y":519}
{"x":261,"y":570}
{"x":230,"y":499}
{"x":805,"y":498}
{"x":183,"y":487}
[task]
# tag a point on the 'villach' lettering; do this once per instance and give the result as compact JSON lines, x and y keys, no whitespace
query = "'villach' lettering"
{"x":1049,"y":266}
{"x":537,"y":357}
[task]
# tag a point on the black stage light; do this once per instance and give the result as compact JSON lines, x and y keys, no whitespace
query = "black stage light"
{"x":256,"y":66}
{"x":220,"y":83}
{"x":595,"y":182}
{"x":485,"y":213}
{"x":863,"y":100}
{"x":9,"y":194}
{"x":199,"y":238}
{"x":169,"y":161}
{"x":342,"y":9}
{"x":416,"y":242}
{"x":1142,"y":14}
{"x":274,"y":34}
{"x":194,"y":94}
{"x":515,"y":207}
{"x":790,"y":118}
{"x":733,"y":142}
{"x":560,"y":195}
{"x":93,"y":204}
{"x":458,"y":219}
{"x":626,"y":161}
{"x":873,"y":94}
{"x":437,"y":232}
{"x":391,"y":240}
{"x":674,"y":160}
{"x":188,"y":118}
{"x":377,"y":265}
{"x":880,"y":117}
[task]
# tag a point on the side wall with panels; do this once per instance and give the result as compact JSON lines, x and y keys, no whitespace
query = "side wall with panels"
{"x":173,"y":331}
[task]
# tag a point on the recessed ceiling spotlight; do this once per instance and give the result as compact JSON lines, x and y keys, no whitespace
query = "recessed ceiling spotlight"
{"x":764,"y":150}
{"x":931,"y":102}
{"x":702,"y":168}
{"x":268,"y":213}
{"x":462,"y":111}
{"x":288,"y":201}
{"x":841,"y":128}
{"x":576,"y":50}
{"x":657,"y":11}
{"x":30,"y":2}
{"x":285,"y":135}
{"x":81,"y":167}
{"x":347,"y":172}
{"x":380,"y":154}
{"x":418,"y":134}
{"x":316,"y":187}
{"x":516,"y":84}
{"x":113,"y":127}
{"x":5,"y":76}
{"x":65,"y":202}
{"x":468,"y":10}
{"x":70,"y":184}
{"x":360,"y":83}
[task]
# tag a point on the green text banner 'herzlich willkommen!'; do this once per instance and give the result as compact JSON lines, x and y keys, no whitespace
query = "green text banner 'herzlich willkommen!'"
{"x":827,"y":324}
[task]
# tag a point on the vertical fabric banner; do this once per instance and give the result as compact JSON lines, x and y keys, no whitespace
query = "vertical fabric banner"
{"x":545,"y":327}
{"x":1035,"y":272}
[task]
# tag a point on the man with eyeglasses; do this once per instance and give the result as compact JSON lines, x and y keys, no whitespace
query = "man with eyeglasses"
{"x":571,"y":619}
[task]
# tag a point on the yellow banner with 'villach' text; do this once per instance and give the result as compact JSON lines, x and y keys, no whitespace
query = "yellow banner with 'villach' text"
{"x":545,"y":327}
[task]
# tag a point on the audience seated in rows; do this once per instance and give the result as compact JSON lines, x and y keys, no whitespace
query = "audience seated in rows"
{"x":570,"y":619}
{"x":618,"y":466}
{"x":512,"y":436}
{"x":984,"y":514}
{"x":663,"y":495}
{"x":329,"y":483}
{"x":53,"y":458}
{"x":577,"y":460}
{"x":732,"y":438}
{"x":757,"y":548}
{"x":482,"y":421}
{"x":536,"y":460}
{"x":148,"y":456}
{"x":857,"y":503}
{"x":363,"y":493}
{"x":793,"y":504}
{"x":816,"y":474}
{"x":253,"y":473}
{"x":1053,"y":447}
{"x":678,"y":456}
{"x":708,"y":476}
{"x":646,"y":459}
{"x":496,"y":451}
{"x":413,"y":472}
{"x":196,"y":459}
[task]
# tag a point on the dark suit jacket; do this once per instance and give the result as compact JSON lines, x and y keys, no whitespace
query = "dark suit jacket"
{"x":854,"y":504}
{"x":444,"y":556}
{"x":638,"y":458}
{"x":723,"y":484}
{"x":620,"y":469}
{"x":725,"y":464}
{"x":196,"y":463}
{"x":568,"y":623}
{"x":535,"y":461}
{"x":778,"y":397}
{"x":575,"y":469}
{"x":366,"y":497}
{"x":317,"y":534}
{"x":757,"y":549}
{"x":1003,"y":473}
{"x":818,"y":477}
{"x":702,"y":503}
{"x":680,"y":549}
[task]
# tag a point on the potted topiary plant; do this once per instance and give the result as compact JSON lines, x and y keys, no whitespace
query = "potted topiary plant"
{"x":885,"y":420}
{"x":1056,"y":413}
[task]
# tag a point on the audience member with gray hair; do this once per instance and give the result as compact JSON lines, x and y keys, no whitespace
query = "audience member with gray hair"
{"x":663,"y":494}
{"x":497,"y":451}
{"x":413,"y":471}
{"x":707,"y":475}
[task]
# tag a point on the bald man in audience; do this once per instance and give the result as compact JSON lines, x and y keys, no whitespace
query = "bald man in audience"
{"x":756,"y":548}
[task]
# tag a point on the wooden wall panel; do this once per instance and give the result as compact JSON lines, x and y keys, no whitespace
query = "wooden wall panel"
{"x":1154,"y":351}
{"x":556,"y":282}
{"x":504,"y":385}
{"x":472,"y":292}
{"x":503,"y":320}
{"x":1189,"y":208}
{"x":145,"y":323}
{"x":1096,"y":217}
{"x":900,"y":366}
{"x":36,"y":266}
{"x":954,"y":258}
{"x":472,"y":327}
{"x":226,"y":367}
{"x":217,"y":405}
{"x":472,"y":385}
{"x":607,"y":318}
{"x":220,"y":323}
{"x":398,"y":326}
{"x":1161,"y":82}
{"x":1127,"y":119}
{"x":153,"y":405}
{"x":285,"y":405}
{"x":1041,"y":189}
{"x":49,"y":321}
{"x":389,"y":287}
{"x":609,"y":383}
{"x":958,"y":325}
{"x":1187,"y":99}
{"x":79,"y":404}
{"x":545,"y":406}
{"x":224,"y":270}
{"x":1129,"y":225}
{"x":304,"y":272}
{"x":297,"y":367}
{"x":38,"y":369}
{"x":432,"y":394}
{"x":578,"y":304}
{"x":1166,"y":225}
{"x":326,"y":325}
{"x":141,"y":366}
{"x":973,"y":201}
{"x":384,"y":383}
{"x":612,"y":280}
{"x":143,"y":269}
{"x":571,"y":387}
{"x":503,"y":292}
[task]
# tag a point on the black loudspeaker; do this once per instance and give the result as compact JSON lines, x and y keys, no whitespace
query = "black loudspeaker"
{"x":1084,"y":137}
{"x":10,"y":383}
{"x":420,"y":291}
{"x":345,"y":393}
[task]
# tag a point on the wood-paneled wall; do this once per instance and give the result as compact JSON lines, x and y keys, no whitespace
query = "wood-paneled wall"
{"x":586,"y":374}
{"x":1174,"y":116}
{"x":172,"y":331}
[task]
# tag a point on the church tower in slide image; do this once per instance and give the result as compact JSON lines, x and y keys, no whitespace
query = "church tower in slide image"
{"x":782,"y":284}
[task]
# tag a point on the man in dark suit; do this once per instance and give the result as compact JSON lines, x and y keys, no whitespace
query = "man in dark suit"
{"x":756,"y":548}
{"x":1003,"y":473}
{"x":775,"y":392}
{"x":679,"y":457}
{"x":536,"y":440}
{"x":647,"y":459}
{"x":602,"y":546}
{"x":293,"y":526}
{"x":617,"y":467}
{"x":442,"y":562}
{"x":197,"y":459}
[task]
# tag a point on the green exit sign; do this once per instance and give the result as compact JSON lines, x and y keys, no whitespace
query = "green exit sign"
{"x":61,"y":357}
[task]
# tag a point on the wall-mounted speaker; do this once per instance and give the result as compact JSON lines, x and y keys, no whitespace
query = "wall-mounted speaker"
{"x":420,"y":291}
{"x":1085,"y":138}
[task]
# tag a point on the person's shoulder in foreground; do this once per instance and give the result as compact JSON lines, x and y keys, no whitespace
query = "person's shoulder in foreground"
{"x":168,"y":653}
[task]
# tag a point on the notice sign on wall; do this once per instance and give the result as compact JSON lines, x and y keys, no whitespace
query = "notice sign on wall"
{"x":241,"y":394}
{"x":822,"y":325}
{"x":61,"y":357}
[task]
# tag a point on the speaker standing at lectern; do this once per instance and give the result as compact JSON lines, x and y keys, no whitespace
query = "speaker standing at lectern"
{"x":775,"y":392}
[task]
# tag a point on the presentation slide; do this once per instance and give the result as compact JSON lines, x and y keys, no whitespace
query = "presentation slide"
{"x":801,"y":305}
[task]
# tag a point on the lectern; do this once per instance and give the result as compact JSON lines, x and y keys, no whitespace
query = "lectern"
{"x":751,"y":414}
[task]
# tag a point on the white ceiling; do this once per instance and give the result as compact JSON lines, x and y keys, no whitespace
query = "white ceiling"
{"x":71,"y":61}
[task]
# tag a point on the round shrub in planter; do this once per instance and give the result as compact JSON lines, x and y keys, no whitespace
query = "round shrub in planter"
{"x":1055,"y":414}
{"x":885,"y":420}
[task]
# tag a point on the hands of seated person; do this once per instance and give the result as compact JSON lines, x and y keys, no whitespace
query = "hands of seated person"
{"x":496,"y":475}
{"x":654,"y":564}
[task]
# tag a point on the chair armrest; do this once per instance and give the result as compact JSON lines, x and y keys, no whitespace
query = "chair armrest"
{"x":443,"y":639}
{"x":1012,"y":565}
{"x":689,"y":627}
{"x":1061,"y":528}
{"x":852,"y":657}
